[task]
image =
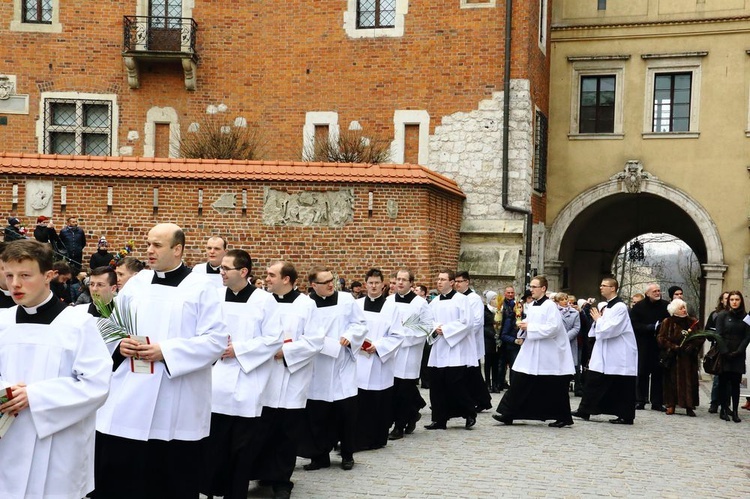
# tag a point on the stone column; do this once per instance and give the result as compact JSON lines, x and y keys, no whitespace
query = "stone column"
{"x":553,"y":273}
{"x":713,"y":273}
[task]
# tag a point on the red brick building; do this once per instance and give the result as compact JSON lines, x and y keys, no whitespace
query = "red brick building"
{"x":128,"y":78}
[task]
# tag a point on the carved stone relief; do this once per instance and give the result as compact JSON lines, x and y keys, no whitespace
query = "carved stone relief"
{"x":633,"y":176}
{"x":329,"y":208}
{"x":226,"y":203}
{"x":39,"y":198}
{"x":391,"y":208}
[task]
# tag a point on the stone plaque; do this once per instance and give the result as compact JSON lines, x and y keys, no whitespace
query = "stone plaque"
{"x":39,"y":198}
{"x":391,"y":208}
{"x":329,"y":208}
{"x":226,"y":203}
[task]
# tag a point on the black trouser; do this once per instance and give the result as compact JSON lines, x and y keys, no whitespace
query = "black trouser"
{"x":729,"y":388}
{"x":407,"y":401}
{"x":649,"y":367}
{"x":448,"y":394}
{"x":278,"y":456}
{"x":492,"y":365}
{"x":328,"y":423}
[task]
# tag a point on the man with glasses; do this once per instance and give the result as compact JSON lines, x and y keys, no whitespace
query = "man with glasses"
{"x":332,"y":401}
{"x":452,"y":351}
{"x":239,"y":378}
{"x":543,"y":368}
{"x":216,"y":250}
{"x":646,"y":317}
{"x":613,"y":365}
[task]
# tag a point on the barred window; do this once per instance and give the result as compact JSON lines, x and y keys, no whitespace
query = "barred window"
{"x":37,"y":11}
{"x":376,"y":14}
{"x":540,"y":152}
{"x":78,"y":127}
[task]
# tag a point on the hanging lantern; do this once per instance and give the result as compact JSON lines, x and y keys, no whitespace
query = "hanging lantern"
{"x":635,"y":251}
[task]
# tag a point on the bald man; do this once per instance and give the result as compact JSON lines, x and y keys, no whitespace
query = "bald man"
{"x":160,"y":405}
{"x":646,"y":317}
{"x":216,"y":250}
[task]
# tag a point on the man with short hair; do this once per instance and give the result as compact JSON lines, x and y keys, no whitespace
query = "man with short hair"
{"x":74,"y":239}
{"x":57,"y":368}
{"x":613,"y":366}
{"x":375,"y":367}
{"x":357,"y":291}
{"x":6,"y":300}
{"x":160,"y":406}
{"x":392,"y":283}
{"x":332,"y":401}
{"x":102,"y":286}
{"x":451,"y":353}
{"x":411,"y":309}
{"x":60,"y":284}
{"x":239,"y":378}
{"x":510,"y":342}
{"x":477,"y":387}
{"x":216,"y":250}
{"x":646,"y":318}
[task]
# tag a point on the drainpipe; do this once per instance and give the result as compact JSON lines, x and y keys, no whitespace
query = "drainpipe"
{"x":506,"y":140}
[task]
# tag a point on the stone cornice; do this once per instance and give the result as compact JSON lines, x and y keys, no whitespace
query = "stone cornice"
{"x":560,"y":27}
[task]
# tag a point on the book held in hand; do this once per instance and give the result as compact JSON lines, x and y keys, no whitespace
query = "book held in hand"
{"x":138,"y":365}
{"x":6,"y":420}
{"x":365,"y":345}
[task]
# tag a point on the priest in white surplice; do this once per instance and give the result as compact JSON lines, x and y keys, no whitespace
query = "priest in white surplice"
{"x":453,"y":351}
{"x":613,"y":366}
{"x":375,"y":365}
{"x":58,"y":368}
{"x":285,"y":395}
{"x":416,"y":313}
{"x":331,"y":410}
{"x":544,"y":366}
{"x":239,"y":379}
{"x":155,"y":417}
{"x":216,"y":250}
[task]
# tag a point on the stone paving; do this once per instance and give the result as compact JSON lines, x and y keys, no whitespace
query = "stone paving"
{"x":659,"y":456}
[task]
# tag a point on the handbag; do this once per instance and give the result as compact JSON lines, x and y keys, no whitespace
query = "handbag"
{"x":712,"y":361}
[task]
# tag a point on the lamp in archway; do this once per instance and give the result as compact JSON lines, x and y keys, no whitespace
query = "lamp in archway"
{"x":635,"y":251}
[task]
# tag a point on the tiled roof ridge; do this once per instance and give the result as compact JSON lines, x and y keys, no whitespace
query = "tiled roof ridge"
{"x":228,"y":169}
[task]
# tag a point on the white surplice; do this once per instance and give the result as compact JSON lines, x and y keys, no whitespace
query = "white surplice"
{"x":375,"y":371}
{"x":455,"y":347}
{"x":290,"y":378}
{"x":546,"y":349}
{"x":335,"y":368}
{"x":49,"y":450}
{"x":173,"y":403}
{"x":409,"y":355}
{"x":256,"y":335}
{"x":216,"y":279}
{"x":477,"y":321}
{"x":615,"y":350}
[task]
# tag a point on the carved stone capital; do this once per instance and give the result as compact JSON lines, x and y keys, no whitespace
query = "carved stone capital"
{"x":190,"y":69}
{"x":131,"y":67}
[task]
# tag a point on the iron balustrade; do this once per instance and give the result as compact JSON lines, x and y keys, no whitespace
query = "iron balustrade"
{"x":159,"y":34}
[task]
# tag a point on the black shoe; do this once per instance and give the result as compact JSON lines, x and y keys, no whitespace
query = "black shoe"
{"x":503,"y":419}
{"x":713,"y":408}
{"x":435,"y":426}
{"x":723,"y":414}
{"x":316,"y":465}
{"x":659,"y":408}
{"x":560,"y":424}
{"x":640,"y":406}
{"x":581,"y":415}
{"x":736,"y":417}
{"x":396,"y":434}
{"x":621,"y":421}
{"x":412,"y":425}
{"x":690,"y":413}
{"x":347,"y":464}
{"x":282,"y":492}
{"x":471,"y":421}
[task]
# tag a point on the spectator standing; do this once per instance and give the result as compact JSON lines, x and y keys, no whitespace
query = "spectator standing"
{"x":74,"y":239}
{"x":102,"y":257}
{"x":721,"y":305}
{"x":13,"y":231}
{"x":735,"y":332}
{"x":646,"y":317}
{"x":491,"y":354}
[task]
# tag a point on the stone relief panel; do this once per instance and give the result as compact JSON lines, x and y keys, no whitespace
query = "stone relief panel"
{"x":39,"y":198}
{"x":226,"y":203}
{"x":328,"y":208}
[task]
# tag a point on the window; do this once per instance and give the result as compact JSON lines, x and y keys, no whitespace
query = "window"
{"x":597,"y":104}
{"x":601,"y":5}
{"x":407,"y":138}
{"x":476,"y":4}
{"x":542,"y":39}
{"x":540,"y":152}
{"x":376,"y":13}
{"x":672,"y":102}
{"x":37,"y":11}
{"x":78,"y":127}
{"x":318,"y":125}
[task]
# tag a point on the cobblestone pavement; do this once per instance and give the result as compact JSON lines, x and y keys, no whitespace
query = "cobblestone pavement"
{"x":659,"y":456}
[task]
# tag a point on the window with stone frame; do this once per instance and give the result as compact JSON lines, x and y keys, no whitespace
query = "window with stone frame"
{"x":540,"y":152}
{"x":78,"y":126}
{"x":37,"y":11}
{"x":672,"y":93}
{"x":376,"y":14}
{"x":596,"y":113}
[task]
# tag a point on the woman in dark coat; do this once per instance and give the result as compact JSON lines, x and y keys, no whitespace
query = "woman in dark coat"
{"x":680,"y":358}
{"x":736,"y":335}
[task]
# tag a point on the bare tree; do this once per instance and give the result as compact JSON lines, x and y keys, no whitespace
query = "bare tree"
{"x":351,"y":146}
{"x":215,"y":137}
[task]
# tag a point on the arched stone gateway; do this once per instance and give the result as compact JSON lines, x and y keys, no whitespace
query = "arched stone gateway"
{"x":588,"y":232}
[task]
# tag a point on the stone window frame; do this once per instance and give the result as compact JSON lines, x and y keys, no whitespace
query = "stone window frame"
{"x":542,"y":26}
{"x":597,"y":66}
{"x":672,"y":63}
{"x":350,"y":22}
{"x":17,"y":23}
{"x":55,"y":96}
{"x":401,"y":118}
{"x":141,"y":8}
{"x":318,"y":118}
{"x":163,"y":116}
{"x":486,"y":4}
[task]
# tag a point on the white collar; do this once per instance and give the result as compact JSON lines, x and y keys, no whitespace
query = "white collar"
{"x":162,"y":275}
{"x":5,"y":292}
{"x":33,"y":310}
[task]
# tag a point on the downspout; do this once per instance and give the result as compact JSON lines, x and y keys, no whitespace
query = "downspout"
{"x":506,"y":141}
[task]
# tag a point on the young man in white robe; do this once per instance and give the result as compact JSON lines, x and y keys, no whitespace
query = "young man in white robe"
{"x":451,"y":355}
{"x":543,"y":368}
{"x":412,"y":309}
{"x":285,"y":395}
{"x":58,"y":369}
{"x":237,"y":433}
{"x":103,"y":287}
{"x":331,"y":410}
{"x":159,"y":406}
{"x":613,"y":367}
{"x":216,"y":250}
{"x":375,"y":365}
{"x":477,"y":387}
{"x":6,"y":300}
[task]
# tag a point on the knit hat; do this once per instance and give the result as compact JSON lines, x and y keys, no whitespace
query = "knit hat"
{"x":41,"y":219}
{"x":672,"y":290}
{"x":102,"y":241}
{"x":13,"y":221}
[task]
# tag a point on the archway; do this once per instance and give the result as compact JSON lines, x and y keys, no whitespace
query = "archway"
{"x":586,"y":235}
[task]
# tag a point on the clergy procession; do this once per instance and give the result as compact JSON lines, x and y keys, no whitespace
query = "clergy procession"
{"x":175,"y":382}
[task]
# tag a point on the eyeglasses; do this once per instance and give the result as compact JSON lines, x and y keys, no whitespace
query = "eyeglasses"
{"x":329,"y":281}
{"x":227,"y":269}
